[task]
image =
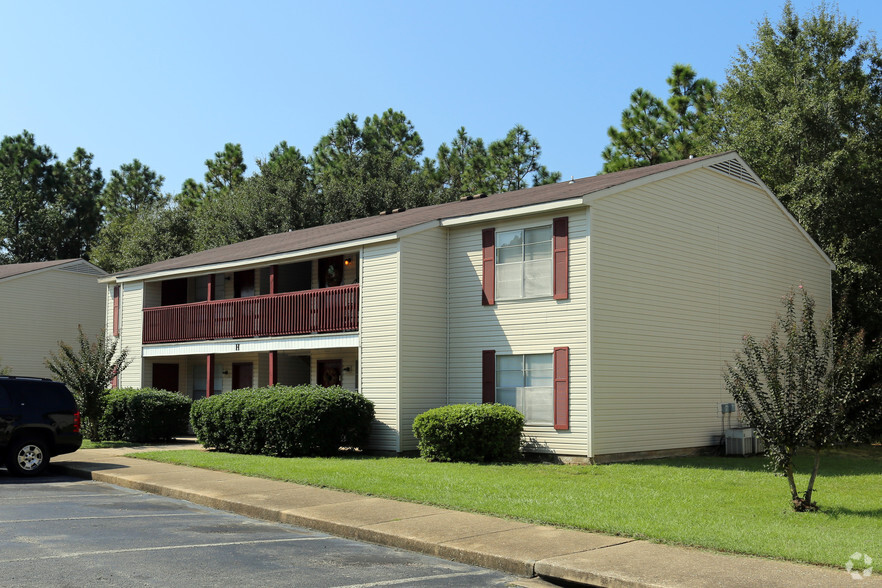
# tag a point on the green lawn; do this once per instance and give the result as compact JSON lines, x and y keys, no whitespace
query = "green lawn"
{"x":89,"y":444}
{"x":730,"y":504}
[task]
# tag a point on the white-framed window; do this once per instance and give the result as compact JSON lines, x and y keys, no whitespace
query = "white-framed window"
{"x":526,"y":382}
{"x":524,"y":263}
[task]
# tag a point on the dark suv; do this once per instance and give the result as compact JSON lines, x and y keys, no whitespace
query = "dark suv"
{"x":39,"y":419}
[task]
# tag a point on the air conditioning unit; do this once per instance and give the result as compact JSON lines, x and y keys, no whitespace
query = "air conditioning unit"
{"x":758,"y":445}
{"x":740,"y":441}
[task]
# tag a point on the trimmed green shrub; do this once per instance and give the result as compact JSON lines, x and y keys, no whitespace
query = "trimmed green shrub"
{"x":470,"y":432}
{"x":144,"y":414}
{"x":283,"y":421}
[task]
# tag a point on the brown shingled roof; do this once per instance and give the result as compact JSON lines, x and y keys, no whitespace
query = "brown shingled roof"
{"x":389,"y":224}
{"x":15,"y":269}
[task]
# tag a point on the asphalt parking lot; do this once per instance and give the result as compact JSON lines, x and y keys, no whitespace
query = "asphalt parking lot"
{"x":62,"y":531}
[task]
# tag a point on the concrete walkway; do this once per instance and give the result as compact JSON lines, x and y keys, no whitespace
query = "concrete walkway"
{"x":510,"y":546}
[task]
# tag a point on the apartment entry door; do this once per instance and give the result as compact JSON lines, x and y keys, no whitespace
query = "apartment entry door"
{"x":243,"y":374}
{"x":330,"y":372}
{"x":165,"y":376}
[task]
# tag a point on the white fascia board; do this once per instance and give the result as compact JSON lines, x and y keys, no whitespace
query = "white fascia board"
{"x":348,"y":340}
{"x":418,"y":228}
{"x":258,"y":261}
{"x":46,"y":269}
{"x":514,"y":212}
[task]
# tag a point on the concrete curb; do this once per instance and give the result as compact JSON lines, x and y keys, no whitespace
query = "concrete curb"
{"x":557,"y":555}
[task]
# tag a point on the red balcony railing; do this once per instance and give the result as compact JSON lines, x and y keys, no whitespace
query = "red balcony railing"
{"x":327,"y":310}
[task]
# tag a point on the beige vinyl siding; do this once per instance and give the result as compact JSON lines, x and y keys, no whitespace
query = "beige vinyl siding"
{"x":681,"y":268}
{"x":423,"y":296}
{"x":515,"y":327}
{"x":378,"y":333}
{"x":152,"y":294}
{"x":130,"y":328}
{"x":42,"y":308}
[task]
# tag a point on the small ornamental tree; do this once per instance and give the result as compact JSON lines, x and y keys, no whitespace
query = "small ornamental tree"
{"x":87,"y":371}
{"x":4,"y":370}
{"x":799,"y":387}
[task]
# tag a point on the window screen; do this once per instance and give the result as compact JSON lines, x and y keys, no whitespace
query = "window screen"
{"x":526,"y":382}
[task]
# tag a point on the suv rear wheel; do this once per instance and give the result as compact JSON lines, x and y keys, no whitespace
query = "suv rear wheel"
{"x":27,"y":457}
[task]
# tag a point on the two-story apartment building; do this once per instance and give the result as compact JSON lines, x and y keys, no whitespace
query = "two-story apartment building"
{"x":43,"y":303}
{"x":603,"y":308}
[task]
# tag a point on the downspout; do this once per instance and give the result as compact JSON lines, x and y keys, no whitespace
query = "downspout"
{"x":447,"y":315}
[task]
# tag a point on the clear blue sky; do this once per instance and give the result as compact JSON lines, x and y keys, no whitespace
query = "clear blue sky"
{"x":169,"y":82}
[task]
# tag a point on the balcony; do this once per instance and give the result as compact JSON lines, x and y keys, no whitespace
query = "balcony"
{"x":326,"y":310}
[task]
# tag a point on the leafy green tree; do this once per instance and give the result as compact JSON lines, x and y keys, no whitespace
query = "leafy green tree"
{"x":133,"y":187}
{"x":799,"y":389}
{"x":368,"y":185}
{"x":48,"y":209}
{"x":393,"y":133}
{"x":361,"y":171}
{"x":226,"y":170}
{"x":343,"y":141}
{"x":462,"y":167}
{"x":514,"y":160}
{"x":5,"y":370}
{"x":802,"y":104}
{"x":191,"y":195}
{"x":653,"y":131}
{"x":87,"y":371}
{"x":30,"y":179}
{"x":277,"y":199}
{"x":81,"y":208}
{"x":155,"y":233}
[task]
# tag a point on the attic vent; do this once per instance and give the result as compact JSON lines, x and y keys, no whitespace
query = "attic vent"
{"x":392,"y":211}
{"x":472,"y":197}
{"x":83,"y":268}
{"x":734,"y":169}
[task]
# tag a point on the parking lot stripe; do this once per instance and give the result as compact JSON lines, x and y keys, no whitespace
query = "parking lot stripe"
{"x":137,"y":516}
{"x":411,"y":580}
{"x":162,"y":548}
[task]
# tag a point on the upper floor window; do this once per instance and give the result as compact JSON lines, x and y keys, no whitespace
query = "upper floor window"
{"x":524,"y":263}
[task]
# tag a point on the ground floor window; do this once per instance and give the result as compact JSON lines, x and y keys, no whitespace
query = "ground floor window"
{"x":526,"y":382}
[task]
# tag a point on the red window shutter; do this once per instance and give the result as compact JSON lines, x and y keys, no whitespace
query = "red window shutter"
{"x":116,"y":311}
{"x":488,"y":376}
{"x":562,"y":388}
{"x":561,"y":231}
{"x":488,"y":242}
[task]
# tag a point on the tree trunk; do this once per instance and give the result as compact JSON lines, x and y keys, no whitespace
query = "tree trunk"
{"x":793,"y":492}
{"x":811,"y":484}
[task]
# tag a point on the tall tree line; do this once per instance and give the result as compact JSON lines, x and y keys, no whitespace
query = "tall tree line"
{"x":51,"y":209}
{"x":802,"y":104}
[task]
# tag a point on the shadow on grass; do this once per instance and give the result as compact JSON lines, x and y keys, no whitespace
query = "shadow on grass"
{"x":863,"y":460}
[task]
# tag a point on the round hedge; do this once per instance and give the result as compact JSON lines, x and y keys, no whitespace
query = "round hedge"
{"x":470,"y":432}
{"x":283,"y":421}
{"x":144,"y":414}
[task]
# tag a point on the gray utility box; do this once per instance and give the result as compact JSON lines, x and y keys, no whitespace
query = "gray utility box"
{"x":743,"y":441}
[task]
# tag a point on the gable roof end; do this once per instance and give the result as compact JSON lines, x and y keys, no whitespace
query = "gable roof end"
{"x":18,"y":269}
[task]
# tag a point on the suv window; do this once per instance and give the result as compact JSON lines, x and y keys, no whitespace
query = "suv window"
{"x":48,"y":393}
{"x":5,"y":401}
